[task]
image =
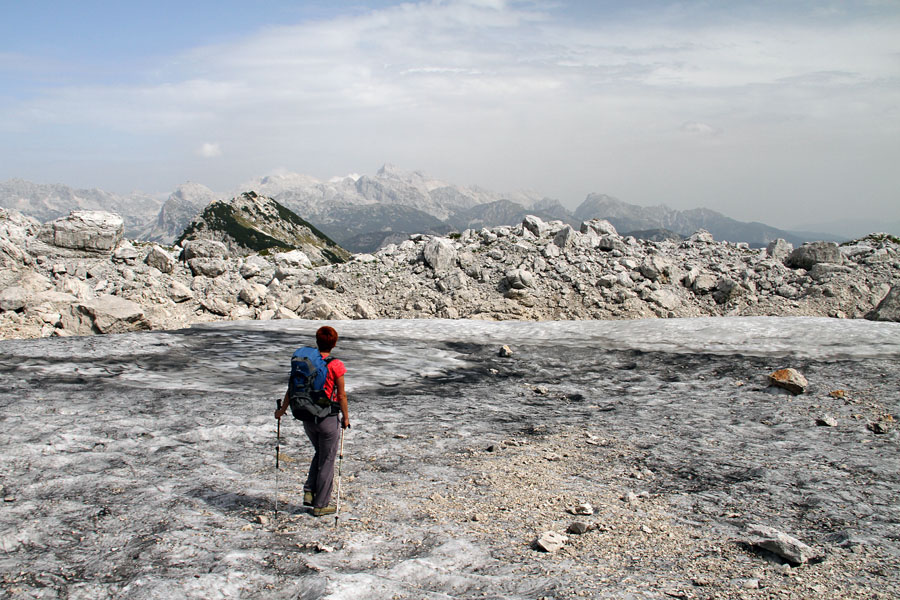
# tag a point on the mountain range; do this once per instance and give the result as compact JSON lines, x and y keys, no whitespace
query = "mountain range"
{"x":361,"y":213}
{"x":46,"y":202}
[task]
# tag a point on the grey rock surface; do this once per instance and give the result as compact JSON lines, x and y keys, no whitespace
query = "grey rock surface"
{"x":889,"y":307}
{"x":813,"y":253}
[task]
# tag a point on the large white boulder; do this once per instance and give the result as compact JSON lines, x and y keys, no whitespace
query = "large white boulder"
{"x":813,"y":253}
{"x":13,"y":298}
{"x":112,"y":314}
{"x":295,"y":259}
{"x":88,"y":230}
{"x":599,"y":226}
{"x":160,"y":259}
{"x":440,"y":254}
{"x":204,"y":249}
{"x":535,"y":225}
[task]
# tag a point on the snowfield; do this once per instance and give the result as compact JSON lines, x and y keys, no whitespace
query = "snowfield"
{"x":142,"y":465}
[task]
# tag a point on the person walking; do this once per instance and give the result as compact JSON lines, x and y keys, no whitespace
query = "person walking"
{"x":324,"y":431}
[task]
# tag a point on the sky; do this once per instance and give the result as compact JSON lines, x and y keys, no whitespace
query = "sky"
{"x":782,"y":112}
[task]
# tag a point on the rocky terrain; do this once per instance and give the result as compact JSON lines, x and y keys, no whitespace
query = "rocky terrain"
{"x":78,"y":275}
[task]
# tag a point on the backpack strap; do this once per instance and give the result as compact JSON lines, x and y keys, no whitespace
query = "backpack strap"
{"x":334,"y":386}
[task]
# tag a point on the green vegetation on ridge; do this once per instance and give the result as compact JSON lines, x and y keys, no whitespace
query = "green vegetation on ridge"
{"x":248,"y":233}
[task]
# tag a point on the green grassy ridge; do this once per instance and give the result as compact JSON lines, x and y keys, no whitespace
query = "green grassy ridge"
{"x":223,"y":216}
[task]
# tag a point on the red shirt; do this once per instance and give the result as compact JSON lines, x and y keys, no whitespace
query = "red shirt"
{"x":335,"y":369}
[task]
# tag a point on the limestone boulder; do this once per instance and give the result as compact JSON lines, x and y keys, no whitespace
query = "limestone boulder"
{"x":565,"y":237}
{"x":665,"y":299}
{"x":813,"y":253}
{"x":787,"y":547}
{"x":600,"y":227}
{"x":179,"y":292}
{"x":779,"y":249}
{"x":295,"y":259}
{"x":535,"y":225}
{"x":655,"y":268}
{"x":825,"y":271}
{"x":75,"y":287}
{"x":364,"y":310}
{"x":440,"y":254}
{"x":160,"y":259}
{"x":12,"y":255}
{"x":16,"y":227}
{"x":125,"y":252}
{"x":14,"y":298}
{"x":550,"y":541}
{"x":203,"y":249}
{"x":207,"y":267}
{"x":701,"y":236}
{"x":319,"y":309}
{"x":519,"y":279}
{"x":889,"y":307}
{"x":253,"y":294}
{"x":86,"y":230}
{"x":217,"y":306}
{"x":705,"y":283}
{"x":283,"y":313}
{"x":610,"y":242}
{"x":727,"y":290}
{"x":253,"y":266}
{"x":112,"y":314}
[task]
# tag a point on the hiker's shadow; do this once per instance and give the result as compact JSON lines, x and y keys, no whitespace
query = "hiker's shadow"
{"x":232,"y":502}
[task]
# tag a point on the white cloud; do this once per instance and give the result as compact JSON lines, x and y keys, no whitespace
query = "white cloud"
{"x":210,"y":150}
{"x":700,"y":129}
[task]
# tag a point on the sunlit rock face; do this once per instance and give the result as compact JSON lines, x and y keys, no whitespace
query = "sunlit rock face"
{"x":92,"y":231}
{"x":156,"y":451}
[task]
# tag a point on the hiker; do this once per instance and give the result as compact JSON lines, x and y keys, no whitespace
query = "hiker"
{"x":322,"y":420}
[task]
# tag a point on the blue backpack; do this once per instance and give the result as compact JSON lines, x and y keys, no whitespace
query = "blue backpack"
{"x":306,"y":386}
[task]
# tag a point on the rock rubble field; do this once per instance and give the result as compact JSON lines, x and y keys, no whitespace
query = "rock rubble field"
{"x":78,"y":276}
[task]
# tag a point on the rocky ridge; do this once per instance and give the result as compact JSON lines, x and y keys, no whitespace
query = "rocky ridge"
{"x":250,"y":224}
{"x":182,"y":205}
{"x":536,"y":270}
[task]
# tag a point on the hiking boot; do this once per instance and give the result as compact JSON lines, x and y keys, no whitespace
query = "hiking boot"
{"x":321,"y":511}
{"x":308,"y":498}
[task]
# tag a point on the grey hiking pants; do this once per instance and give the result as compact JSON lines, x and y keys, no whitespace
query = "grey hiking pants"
{"x":325,"y":437}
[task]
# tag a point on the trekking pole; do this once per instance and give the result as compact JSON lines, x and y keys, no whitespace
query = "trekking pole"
{"x":277,"y":465}
{"x":337,"y":510}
